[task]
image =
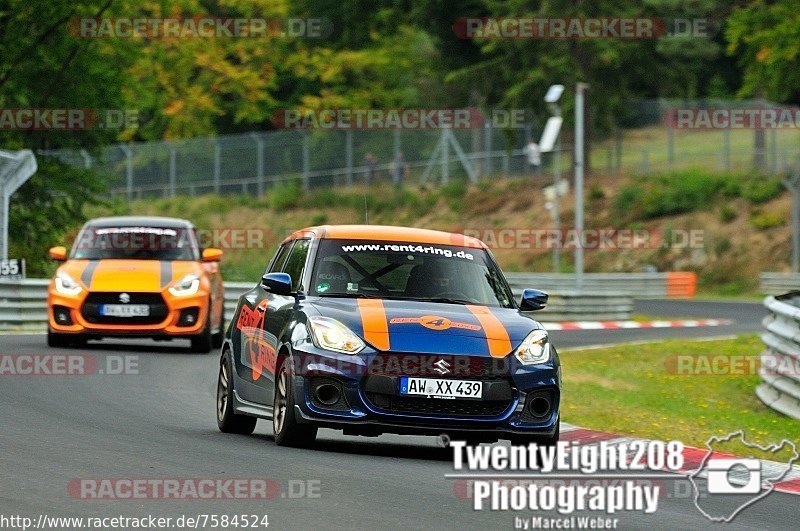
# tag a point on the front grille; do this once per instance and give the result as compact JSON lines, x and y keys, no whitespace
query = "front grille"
{"x":423,"y":365}
{"x":438,"y":407}
{"x":91,"y":308}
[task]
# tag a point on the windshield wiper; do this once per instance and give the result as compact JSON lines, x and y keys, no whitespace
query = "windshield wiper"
{"x":446,"y":300}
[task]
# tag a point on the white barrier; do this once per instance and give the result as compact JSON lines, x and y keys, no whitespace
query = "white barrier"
{"x":23,"y":303}
{"x":777,"y":283}
{"x":780,"y":361}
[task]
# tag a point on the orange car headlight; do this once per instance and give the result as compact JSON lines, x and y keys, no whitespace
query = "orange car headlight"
{"x":66,"y":285}
{"x":186,"y":286}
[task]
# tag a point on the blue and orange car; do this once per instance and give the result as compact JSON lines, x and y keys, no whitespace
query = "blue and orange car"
{"x":371,"y":329}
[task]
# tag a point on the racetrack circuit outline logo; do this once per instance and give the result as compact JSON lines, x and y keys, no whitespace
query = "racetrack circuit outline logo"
{"x":732,"y":476}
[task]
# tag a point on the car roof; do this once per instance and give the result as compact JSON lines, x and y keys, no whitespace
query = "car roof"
{"x":387,"y":233}
{"x":139,"y":221}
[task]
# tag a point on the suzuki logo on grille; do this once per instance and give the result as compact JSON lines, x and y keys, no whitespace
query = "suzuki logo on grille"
{"x":124,"y":297}
{"x":441,"y":366}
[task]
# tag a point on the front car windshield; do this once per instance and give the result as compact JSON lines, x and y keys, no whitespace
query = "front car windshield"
{"x":135,"y":243}
{"x":412,"y":271}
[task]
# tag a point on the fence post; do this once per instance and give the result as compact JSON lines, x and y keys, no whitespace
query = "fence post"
{"x":173,"y":169}
{"x":259,"y":163}
{"x":645,"y":162}
{"x":348,"y":156}
{"x":726,"y":149}
{"x":773,"y":151}
{"x":670,"y":147}
{"x":306,"y":160}
{"x":398,"y":171}
{"x":610,"y":161}
{"x":128,"y":170}
{"x":487,"y":133}
{"x":217,"y":165}
{"x":445,"y":156}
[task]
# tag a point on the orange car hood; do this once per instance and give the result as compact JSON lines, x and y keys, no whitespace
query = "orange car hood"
{"x":130,"y":275}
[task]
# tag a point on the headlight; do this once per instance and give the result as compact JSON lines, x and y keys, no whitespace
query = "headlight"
{"x":330,"y":334}
{"x":534,"y":349}
{"x":188,"y":285}
{"x":66,"y":285}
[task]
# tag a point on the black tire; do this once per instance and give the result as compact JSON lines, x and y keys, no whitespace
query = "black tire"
{"x":284,"y":423}
{"x":227,"y":420}
{"x":218,"y":337}
{"x":203,"y":342}
{"x":57,"y":340}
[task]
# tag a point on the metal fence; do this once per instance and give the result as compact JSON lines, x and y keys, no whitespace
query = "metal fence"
{"x":780,"y":361}
{"x":251,"y":163}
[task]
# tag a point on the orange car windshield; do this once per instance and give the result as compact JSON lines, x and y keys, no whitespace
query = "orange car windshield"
{"x":135,"y":243}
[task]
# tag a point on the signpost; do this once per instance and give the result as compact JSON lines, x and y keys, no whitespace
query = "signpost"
{"x":15,"y":169}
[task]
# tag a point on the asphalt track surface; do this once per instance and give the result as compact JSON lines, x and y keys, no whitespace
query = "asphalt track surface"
{"x":160,"y":423}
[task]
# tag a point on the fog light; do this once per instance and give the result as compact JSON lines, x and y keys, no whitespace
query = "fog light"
{"x":62,"y":316}
{"x":188,"y":317}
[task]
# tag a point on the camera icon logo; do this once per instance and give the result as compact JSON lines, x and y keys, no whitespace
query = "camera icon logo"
{"x":734,"y":476}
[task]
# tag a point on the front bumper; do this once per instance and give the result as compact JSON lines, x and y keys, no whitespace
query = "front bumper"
{"x":370,"y":401}
{"x":71,"y":315}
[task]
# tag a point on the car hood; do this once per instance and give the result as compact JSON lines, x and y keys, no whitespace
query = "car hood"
{"x":128,"y":275}
{"x":423,"y":327}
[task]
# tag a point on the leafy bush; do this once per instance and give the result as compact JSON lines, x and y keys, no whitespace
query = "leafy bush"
{"x":285,"y":195}
{"x":727,"y":214}
{"x":766,"y":220}
{"x":761,"y":190}
{"x":647,"y":197}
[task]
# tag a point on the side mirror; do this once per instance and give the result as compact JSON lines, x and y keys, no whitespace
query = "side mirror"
{"x":533,"y":300}
{"x":58,"y":253}
{"x":212,"y":255}
{"x":277,"y":283}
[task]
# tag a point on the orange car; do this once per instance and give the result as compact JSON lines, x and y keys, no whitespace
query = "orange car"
{"x":136,"y":277}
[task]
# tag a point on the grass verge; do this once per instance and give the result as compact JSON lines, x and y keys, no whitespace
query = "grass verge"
{"x":634,"y":390}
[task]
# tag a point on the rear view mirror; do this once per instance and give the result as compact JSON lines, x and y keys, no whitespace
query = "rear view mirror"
{"x":58,"y":253}
{"x":533,"y":300}
{"x":277,"y":283}
{"x":212,"y":255}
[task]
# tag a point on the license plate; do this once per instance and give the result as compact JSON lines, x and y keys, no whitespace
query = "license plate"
{"x":437,"y":388}
{"x":125,"y":310}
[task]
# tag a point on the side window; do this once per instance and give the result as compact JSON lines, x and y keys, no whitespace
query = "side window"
{"x":296,"y":262}
{"x":280,"y":258}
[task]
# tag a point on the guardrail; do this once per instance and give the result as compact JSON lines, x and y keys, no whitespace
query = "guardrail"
{"x":777,"y":283}
{"x":23,"y":303}
{"x":780,"y":360}
{"x":637,"y":285}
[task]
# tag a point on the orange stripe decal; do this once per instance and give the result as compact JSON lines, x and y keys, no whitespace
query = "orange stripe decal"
{"x":374,"y":322}
{"x":496,"y":334}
